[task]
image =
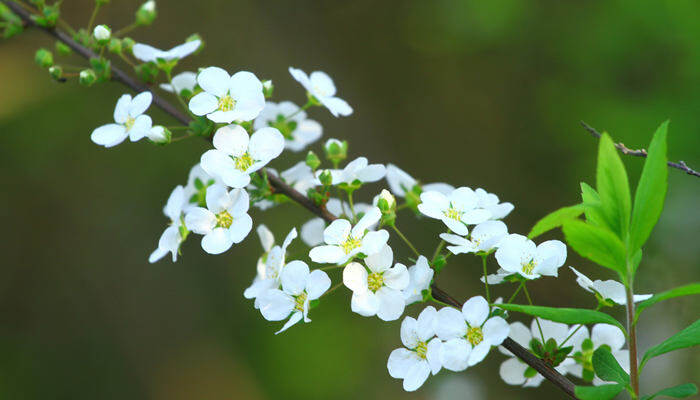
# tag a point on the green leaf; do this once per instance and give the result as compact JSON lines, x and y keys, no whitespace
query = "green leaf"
{"x":651,"y":190}
{"x":592,"y":206}
{"x":607,"y":368}
{"x":602,"y":392}
{"x":565,"y":315}
{"x":693,"y":288}
{"x":688,"y":337}
{"x":555,"y":219}
{"x":678,"y":392}
{"x":597,"y":244}
{"x":613,"y":187}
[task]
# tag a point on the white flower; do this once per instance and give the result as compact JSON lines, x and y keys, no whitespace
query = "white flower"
{"x":518,"y":254}
{"x":469,"y":334}
{"x":490,"y":202}
{"x":457,"y":210}
{"x":102,"y":33}
{"x":182,"y":81}
{"x":343,"y":241}
{"x":377,"y":291}
{"x":149,"y":6}
{"x":224,"y":222}
{"x":299,"y":287}
{"x":130,"y":121}
{"x":298,"y":131}
{"x":300,"y":177}
{"x":514,"y":371}
{"x":228,"y":98}
{"x":171,"y":238}
{"x":237,"y":156}
{"x":270,"y":264}
{"x":400,"y":182}
{"x":610,"y":289}
{"x":312,"y":231}
{"x":420,"y":277}
{"x":484,"y":238}
{"x":585,"y":345}
{"x":321,"y":86}
{"x":359,"y":170}
{"x":421,"y":357}
{"x":148,"y":53}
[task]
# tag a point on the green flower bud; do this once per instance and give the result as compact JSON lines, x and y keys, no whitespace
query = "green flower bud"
{"x":102,"y":34}
{"x":312,"y":160}
{"x":193,"y":37}
{"x":43,"y":58}
{"x":387,"y":205}
{"x":326,"y":178}
{"x":160,"y":135}
{"x":56,"y":73}
{"x":336,"y":151}
{"x":146,"y":14}
{"x":115,"y":46}
{"x":268,"y":88}
{"x":87,"y":77}
{"x":128,"y":44}
{"x":102,"y":68}
{"x":62,"y":49}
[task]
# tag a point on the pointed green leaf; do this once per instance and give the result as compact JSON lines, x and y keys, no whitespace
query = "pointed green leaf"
{"x":555,"y":219}
{"x":613,"y":187}
{"x":592,"y":206}
{"x":651,"y":190}
{"x":678,"y":392}
{"x":688,"y":337}
{"x":565,"y":315}
{"x":597,"y":244}
{"x":607,"y":368}
{"x":602,"y":392}
{"x":687,"y":290}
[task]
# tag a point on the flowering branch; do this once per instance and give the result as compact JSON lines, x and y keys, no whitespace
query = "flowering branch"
{"x":681,"y":165}
{"x":280,"y":187}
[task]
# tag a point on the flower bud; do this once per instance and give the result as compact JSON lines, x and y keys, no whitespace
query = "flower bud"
{"x":146,"y":14}
{"x":102,"y":34}
{"x":336,"y":151}
{"x":115,"y":46}
{"x":87,"y":77}
{"x":386,"y":202}
{"x":268,"y":88}
{"x":160,"y":135}
{"x":127,"y":44}
{"x":312,"y":160}
{"x":44,"y":58}
{"x":62,"y":49}
{"x":326,"y":178}
{"x":56,"y":72}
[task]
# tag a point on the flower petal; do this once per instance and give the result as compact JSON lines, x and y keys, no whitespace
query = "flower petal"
{"x":214,"y":80}
{"x":293,"y":277}
{"x":240,"y":228}
{"x":217,"y":241}
{"x":293,"y":319}
{"x":266,"y":144}
{"x":381,"y":261}
{"x":355,"y":277}
{"x":512,"y":371}
{"x":607,"y":334}
{"x":416,"y":376}
{"x":203,"y":103}
{"x":109,"y":135}
{"x":454,"y":354}
{"x":200,"y":220}
{"x":275,"y":305}
{"x":475,"y":311}
{"x":400,"y":361}
{"x":317,"y":283}
{"x":450,"y":324}
{"x":397,"y":277}
{"x":337,"y":232}
{"x":391,"y":304}
{"x":327,"y":254}
{"x":232,"y":140}
{"x":496,"y":330}
{"x":140,"y":104}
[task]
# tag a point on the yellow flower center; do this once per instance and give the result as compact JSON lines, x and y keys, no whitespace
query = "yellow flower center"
{"x":299,"y":302}
{"x":129,"y":123}
{"x":422,"y":349}
{"x":529,"y":267}
{"x":475,"y":335}
{"x":243,"y":162}
{"x":350,"y":244}
{"x":224,"y":219}
{"x":227,"y":103}
{"x":453,"y":214}
{"x":375,"y":280}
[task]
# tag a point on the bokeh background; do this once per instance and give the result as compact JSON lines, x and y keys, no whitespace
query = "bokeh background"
{"x":484,"y":94}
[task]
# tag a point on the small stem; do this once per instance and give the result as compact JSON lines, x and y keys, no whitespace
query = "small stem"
{"x":438,"y":250}
{"x":179,"y":99}
{"x":632,"y":331}
{"x":512,"y":297}
{"x":92,"y":17}
{"x":333,"y":289}
{"x":303,"y":108}
{"x":127,"y":60}
{"x":486,"y":282}
{"x":575,"y":330}
{"x":331,"y":267}
{"x":405,"y":239}
{"x":352,"y":206}
{"x":402,"y":206}
{"x":537,"y":320}
{"x":126,"y":29}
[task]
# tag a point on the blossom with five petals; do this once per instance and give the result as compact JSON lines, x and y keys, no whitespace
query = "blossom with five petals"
{"x":321,"y":87}
{"x":228,"y":98}
{"x":130,"y":121}
{"x":456,"y":210}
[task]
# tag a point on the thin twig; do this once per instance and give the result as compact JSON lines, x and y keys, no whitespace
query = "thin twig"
{"x":280,"y":186}
{"x":681,"y":165}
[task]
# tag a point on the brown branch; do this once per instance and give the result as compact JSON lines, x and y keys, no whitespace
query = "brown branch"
{"x":681,"y":165}
{"x":279,"y":186}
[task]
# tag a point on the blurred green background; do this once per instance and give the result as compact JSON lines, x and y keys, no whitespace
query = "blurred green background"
{"x":483,"y":94}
